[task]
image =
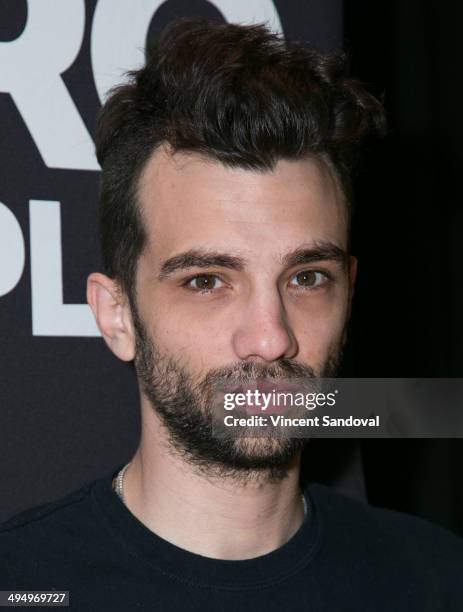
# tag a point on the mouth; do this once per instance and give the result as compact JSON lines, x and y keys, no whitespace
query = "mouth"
{"x":263,"y":396}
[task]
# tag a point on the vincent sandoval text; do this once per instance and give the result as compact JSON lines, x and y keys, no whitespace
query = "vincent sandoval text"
{"x":281,"y":421}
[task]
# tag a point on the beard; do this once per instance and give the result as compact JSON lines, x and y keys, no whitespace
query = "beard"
{"x":185,"y":408}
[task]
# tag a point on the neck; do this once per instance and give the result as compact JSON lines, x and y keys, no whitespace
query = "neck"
{"x":218,"y":517}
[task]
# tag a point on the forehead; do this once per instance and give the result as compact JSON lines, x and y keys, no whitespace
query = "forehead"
{"x":188,"y":201}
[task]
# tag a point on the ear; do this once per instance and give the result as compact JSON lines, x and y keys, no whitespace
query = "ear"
{"x":353,"y":264}
{"x":352,"y":275}
{"x":111,"y":310}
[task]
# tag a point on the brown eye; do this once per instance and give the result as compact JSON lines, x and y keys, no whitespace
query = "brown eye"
{"x":308,"y":279}
{"x":204,"y":282}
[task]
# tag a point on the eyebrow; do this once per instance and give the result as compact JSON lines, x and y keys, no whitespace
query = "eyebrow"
{"x":318,"y":251}
{"x":199,"y":258}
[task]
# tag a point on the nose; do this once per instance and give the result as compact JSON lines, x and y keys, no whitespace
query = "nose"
{"x":264,"y":333}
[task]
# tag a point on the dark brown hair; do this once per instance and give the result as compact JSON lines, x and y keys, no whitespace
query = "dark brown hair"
{"x":235,"y":93}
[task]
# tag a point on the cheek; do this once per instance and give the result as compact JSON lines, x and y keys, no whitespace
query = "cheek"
{"x":318,"y":330}
{"x":197,"y":341}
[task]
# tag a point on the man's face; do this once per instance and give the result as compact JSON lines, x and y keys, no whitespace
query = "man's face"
{"x":245,"y":274}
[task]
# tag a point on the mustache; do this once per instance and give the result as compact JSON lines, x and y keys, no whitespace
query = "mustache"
{"x":246,"y":372}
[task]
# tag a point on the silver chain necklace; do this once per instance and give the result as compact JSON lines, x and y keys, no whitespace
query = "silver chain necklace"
{"x":120,"y":481}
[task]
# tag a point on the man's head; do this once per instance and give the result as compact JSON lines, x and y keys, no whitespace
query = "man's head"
{"x":225,"y":211}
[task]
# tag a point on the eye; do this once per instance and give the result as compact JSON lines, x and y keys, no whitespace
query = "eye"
{"x":309,"y":279}
{"x":203,"y":283}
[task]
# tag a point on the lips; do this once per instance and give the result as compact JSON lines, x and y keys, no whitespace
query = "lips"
{"x":266,"y":385}
{"x":268,"y":391}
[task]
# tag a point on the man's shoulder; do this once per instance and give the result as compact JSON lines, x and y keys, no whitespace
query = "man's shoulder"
{"x":388,"y":532}
{"x":48,"y":540}
{"x":63,"y":515}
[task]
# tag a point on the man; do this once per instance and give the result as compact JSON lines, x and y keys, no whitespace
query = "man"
{"x":225,"y":212}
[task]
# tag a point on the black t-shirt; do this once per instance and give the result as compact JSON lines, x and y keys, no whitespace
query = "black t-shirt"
{"x":345,"y":556}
